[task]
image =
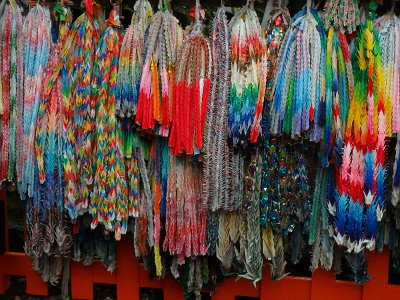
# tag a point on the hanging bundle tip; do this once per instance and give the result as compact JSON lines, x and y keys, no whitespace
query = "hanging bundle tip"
{"x":114,"y":18}
{"x":89,"y":6}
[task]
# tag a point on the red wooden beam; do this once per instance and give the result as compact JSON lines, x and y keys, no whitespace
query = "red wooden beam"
{"x":378,"y":287}
{"x":34,"y":283}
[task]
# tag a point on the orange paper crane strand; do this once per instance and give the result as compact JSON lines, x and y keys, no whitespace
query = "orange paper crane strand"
{"x":163,"y":41}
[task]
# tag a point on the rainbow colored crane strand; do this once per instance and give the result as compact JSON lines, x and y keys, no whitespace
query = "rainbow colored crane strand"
{"x":360,"y":184}
{"x":37,"y":42}
{"x":156,"y":94}
{"x":339,"y":91}
{"x":249,"y":72}
{"x":109,"y":197}
{"x":11,"y":92}
{"x":388,"y":27}
{"x":78,"y":55}
{"x":131,"y":60}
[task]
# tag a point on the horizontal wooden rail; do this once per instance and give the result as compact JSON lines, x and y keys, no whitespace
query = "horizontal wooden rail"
{"x":130,"y":276}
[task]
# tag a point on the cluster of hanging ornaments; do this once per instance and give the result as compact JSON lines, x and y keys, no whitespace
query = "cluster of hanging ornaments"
{"x":83,"y":109}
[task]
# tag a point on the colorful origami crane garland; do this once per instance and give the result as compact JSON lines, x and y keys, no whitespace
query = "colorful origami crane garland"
{"x":388,"y":28}
{"x":156,"y":93}
{"x":299,"y":91}
{"x":37,"y":42}
{"x":192,"y":88}
{"x":109,"y":197}
{"x":11,"y":92}
{"x":272,"y":154}
{"x":161,"y":156}
{"x":339,"y":90}
{"x":248,"y":75}
{"x":127,"y":93}
{"x":131,"y":60}
{"x":79,"y":112}
{"x":360,"y":200}
{"x":48,"y":239}
{"x":186,"y":215}
{"x":218,"y":160}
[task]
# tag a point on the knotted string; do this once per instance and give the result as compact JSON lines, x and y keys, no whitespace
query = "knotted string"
{"x":309,"y":3}
{"x":197,"y":22}
{"x":164,"y":5}
{"x":250,"y":4}
{"x":394,"y":2}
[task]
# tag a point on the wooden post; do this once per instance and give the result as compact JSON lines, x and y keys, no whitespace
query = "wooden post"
{"x":34,"y":283}
{"x":4,"y":279}
{"x":81,"y":281}
{"x":127,"y":272}
{"x":378,"y":268}
{"x":172,"y":290}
